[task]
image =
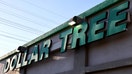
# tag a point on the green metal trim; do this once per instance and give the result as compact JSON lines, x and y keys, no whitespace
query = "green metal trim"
{"x":99,"y":7}
{"x":65,"y":25}
{"x":48,"y":34}
{"x":8,"y":54}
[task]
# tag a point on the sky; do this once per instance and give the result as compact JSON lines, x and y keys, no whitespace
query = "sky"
{"x":23,"y":20}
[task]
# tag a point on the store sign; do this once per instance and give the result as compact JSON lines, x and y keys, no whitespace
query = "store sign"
{"x":102,"y":25}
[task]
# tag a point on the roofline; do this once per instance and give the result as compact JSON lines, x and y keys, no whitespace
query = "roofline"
{"x":65,"y":25}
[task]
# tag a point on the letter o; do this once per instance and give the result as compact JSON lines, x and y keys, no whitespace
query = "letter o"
{"x":13,"y":62}
{"x":7,"y":65}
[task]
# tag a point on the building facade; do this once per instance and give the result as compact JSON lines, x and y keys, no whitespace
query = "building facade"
{"x":100,"y":44}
